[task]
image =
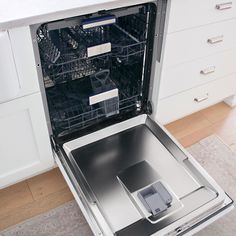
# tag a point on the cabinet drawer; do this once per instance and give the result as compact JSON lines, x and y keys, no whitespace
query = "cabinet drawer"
{"x":183,"y":104}
{"x":191,"y":13}
{"x":199,"y":42}
{"x":191,"y":74}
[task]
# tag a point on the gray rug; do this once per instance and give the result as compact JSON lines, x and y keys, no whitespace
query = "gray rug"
{"x":217,"y":158}
{"x":220,"y":162}
{"x":66,"y":220}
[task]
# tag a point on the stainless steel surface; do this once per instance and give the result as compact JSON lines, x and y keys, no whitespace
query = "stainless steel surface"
{"x":132,"y":179}
{"x":108,"y":167}
{"x":215,"y":40}
{"x":79,"y":196}
{"x":140,"y":229}
{"x":224,"y":6}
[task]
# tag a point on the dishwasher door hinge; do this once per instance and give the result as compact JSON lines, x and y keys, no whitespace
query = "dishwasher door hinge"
{"x":54,"y":144}
{"x":148,"y":108}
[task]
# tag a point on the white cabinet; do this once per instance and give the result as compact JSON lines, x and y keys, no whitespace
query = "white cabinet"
{"x":24,"y":60}
{"x":18,"y":70}
{"x":199,"y":58}
{"x":195,"y":73}
{"x":9,"y":82}
{"x":187,"y":102}
{"x":199,"y":42}
{"x":24,"y":140}
{"x":191,"y":13}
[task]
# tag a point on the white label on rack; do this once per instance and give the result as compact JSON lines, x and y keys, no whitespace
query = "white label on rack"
{"x":98,"y":49}
{"x":103,"y":96}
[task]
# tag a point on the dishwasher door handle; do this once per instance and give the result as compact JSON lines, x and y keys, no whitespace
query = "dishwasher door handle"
{"x":98,"y":21}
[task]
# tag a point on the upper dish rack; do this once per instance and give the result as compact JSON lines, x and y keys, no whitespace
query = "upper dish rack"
{"x":64,"y":52}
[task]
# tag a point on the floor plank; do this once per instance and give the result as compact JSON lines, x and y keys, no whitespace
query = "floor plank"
{"x":196,"y":136}
{"x":19,"y":214}
{"x":188,"y":125}
{"x":14,"y":196}
{"x":221,"y":120}
{"x":47,"y":183}
{"x":217,"y":112}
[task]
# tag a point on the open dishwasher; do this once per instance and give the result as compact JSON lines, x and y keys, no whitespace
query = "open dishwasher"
{"x":97,"y":74}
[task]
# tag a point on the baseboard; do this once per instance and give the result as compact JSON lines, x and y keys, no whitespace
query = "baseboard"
{"x":231,"y":101}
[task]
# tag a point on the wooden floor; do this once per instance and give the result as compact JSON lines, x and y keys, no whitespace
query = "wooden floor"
{"x":49,"y":190}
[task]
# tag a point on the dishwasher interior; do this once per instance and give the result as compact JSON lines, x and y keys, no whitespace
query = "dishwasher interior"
{"x":101,"y":55}
{"x":96,"y":72}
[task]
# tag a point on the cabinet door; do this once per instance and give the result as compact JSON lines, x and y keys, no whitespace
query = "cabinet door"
{"x":23,"y":53}
{"x":24,"y":140}
{"x":9,"y":82}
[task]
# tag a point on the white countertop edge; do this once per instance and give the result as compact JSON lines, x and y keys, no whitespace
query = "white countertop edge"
{"x":18,"y":18}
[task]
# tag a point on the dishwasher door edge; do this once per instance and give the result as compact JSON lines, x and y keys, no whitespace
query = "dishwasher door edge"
{"x":210,"y":219}
{"x":81,"y":200}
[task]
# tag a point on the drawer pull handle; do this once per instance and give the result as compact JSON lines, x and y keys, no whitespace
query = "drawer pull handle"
{"x":215,"y":40}
{"x":224,"y":6}
{"x":201,"y":99}
{"x":208,"y":70}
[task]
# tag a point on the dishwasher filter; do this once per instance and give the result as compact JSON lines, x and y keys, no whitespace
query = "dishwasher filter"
{"x":155,"y":198}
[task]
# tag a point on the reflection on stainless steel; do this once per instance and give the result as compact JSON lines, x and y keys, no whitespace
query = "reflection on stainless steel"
{"x":132,"y":178}
{"x":115,"y":168}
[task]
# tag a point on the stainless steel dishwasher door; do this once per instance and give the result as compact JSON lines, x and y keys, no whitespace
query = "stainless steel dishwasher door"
{"x":113,"y":165}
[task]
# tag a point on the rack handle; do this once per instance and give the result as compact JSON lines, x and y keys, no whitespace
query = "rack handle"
{"x":98,"y":21}
{"x":201,"y":99}
{"x":208,"y":70}
{"x":224,"y":6}
{"x":101,"y":97}
{"x":215,"y":40}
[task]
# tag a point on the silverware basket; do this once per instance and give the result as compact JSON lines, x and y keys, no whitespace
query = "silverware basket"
{"x":101,"y":83}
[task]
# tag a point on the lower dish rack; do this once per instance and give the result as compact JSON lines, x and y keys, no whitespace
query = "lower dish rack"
{"x":70,"y":109}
